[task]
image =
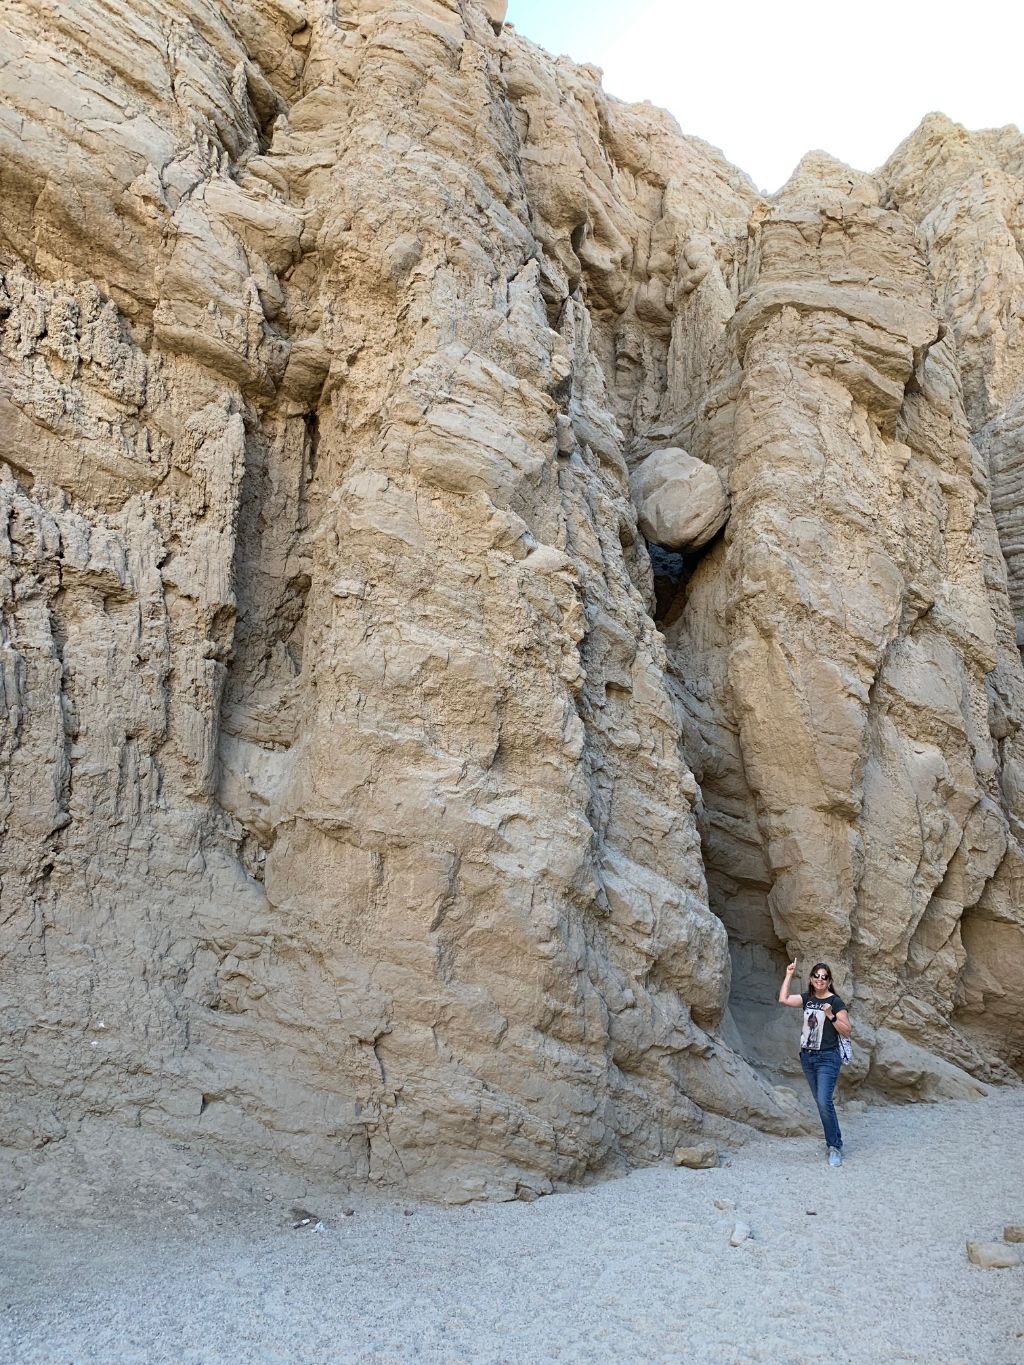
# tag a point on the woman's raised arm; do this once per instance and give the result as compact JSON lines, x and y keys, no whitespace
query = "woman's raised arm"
{"x":784,"y":996}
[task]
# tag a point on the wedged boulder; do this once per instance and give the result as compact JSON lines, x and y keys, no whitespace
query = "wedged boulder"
{"x":681,"y":502}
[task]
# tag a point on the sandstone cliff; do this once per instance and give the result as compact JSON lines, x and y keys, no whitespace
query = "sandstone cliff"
{"x":367,"y":802}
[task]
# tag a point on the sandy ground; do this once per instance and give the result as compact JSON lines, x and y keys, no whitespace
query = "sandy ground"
{"x":862,"y":1264}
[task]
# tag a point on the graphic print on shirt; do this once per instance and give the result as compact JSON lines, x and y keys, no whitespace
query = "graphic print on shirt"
{"x":814,"y":1023}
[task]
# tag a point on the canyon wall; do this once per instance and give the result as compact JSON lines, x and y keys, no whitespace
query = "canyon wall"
{"x":373,"y":798}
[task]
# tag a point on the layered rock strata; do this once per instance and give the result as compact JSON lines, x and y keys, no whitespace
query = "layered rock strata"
{"x":851,"y":689}
{"x":348,"y":799}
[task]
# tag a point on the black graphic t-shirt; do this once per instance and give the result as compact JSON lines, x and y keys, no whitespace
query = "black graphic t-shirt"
{"x":819,"y":1034}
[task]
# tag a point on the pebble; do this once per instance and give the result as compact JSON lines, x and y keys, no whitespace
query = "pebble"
{"x":740,"y":1234}
{"x":724,"y":1204}
{"x":1013,"y":1232}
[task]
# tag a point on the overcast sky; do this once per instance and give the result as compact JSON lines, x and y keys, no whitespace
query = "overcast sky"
{"x":767,"y":82}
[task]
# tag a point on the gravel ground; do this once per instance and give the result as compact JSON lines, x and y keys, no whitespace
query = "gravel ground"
{"x":861,"y":1264}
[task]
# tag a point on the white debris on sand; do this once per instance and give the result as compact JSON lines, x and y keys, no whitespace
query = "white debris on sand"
{"x":636,"y":1269}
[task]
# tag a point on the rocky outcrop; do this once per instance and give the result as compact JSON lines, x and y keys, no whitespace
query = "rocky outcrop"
{"x":496,"y":11}
{"x":846,"y":696}
{"x":348,"y":765}
{"x":966,"y":193}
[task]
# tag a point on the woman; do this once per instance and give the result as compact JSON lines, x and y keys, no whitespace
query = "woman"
{"x":825,"y":1018}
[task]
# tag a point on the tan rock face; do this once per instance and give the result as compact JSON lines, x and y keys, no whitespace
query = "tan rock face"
{"x":842,"y":658}
{"x":680,"y":502}
{"x":346,"y":779}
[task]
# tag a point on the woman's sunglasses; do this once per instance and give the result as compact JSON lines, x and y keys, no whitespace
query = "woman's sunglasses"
{"x":820,"y":976}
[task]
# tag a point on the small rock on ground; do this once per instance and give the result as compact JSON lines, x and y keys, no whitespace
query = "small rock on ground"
{"x":993,"y":1255}
{"x":702,"y":1157}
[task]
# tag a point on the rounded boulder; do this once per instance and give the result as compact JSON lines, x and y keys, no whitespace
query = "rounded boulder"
{"x":681,"y":502}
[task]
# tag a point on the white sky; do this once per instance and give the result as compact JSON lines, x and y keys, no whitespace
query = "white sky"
{"x":767,"y":82}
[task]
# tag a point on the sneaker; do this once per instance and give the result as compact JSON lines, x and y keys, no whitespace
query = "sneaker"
{"x":835,"y":1156}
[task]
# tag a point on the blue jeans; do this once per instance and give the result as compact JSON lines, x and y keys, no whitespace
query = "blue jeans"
{"x":822,"y":1072}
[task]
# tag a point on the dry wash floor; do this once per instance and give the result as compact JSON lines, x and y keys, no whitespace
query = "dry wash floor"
{"x":638,"y":1269}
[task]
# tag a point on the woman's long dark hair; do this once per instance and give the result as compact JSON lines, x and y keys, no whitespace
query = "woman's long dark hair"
{"x":817,"y":968}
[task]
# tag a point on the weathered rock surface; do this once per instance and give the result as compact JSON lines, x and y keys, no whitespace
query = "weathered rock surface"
{"x":347,"y":780}
{"x":847,"y":659}
{"x":680,"y":502}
